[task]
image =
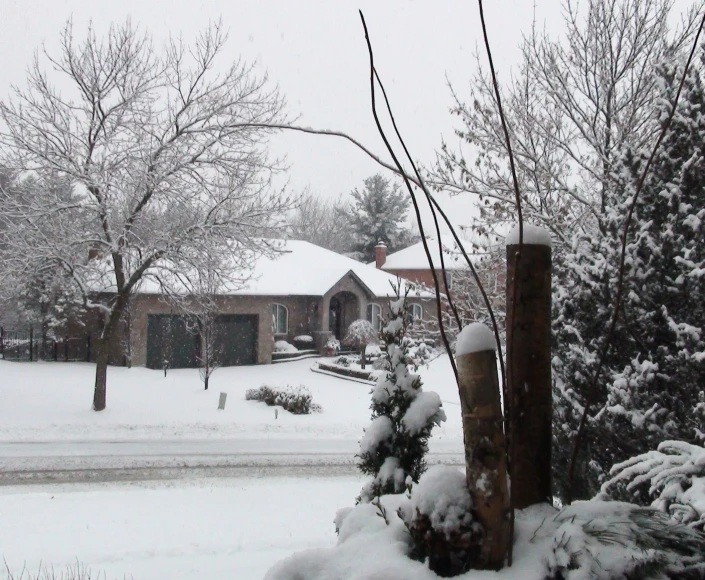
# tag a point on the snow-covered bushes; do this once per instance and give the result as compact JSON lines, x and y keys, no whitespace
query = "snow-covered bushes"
{"x":672,"y":479}
{"x":296,"y":400}
{"x":590,"y":540}
{"x":284,"y":346}
{"x":303,"y":342}
{"x":393,"y":447}
{"x":440,"y":521}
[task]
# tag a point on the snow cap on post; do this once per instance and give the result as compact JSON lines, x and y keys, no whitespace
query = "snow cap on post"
{"x":533,"y":235}
{"x":475,"y":337}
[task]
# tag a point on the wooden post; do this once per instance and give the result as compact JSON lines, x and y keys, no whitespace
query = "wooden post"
{"x":485,"y":458}
{"x":529,"y":366}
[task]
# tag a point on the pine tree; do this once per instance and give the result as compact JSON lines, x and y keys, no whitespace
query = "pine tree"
{"x":378,"y":214}
{"x":652,"y":383}
{"x":393,"y":447}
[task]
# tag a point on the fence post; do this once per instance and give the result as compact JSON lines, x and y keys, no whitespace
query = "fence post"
{"x":31,"y":344}
{"x":529,"y":365}
{"x":88,"y":348}
{"x":485,"y":451}
{"x":66,"y":348}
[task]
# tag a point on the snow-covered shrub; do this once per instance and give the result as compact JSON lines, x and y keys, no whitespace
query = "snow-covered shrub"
{"x":590,"y":540}
{"x":671,"y":478}
{"x":303,"y":342}
{"x":393,"y":447}
{"x":440,"y":521}
{"x":613,"y":540}
{"x":296,"y":400}
{"x":284,"y":346}
{"x":333,"y":343}
{"x":419,"y":352}
{"x":343,"y":361}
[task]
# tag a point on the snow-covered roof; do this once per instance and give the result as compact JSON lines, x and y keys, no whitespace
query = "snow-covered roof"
{"x":304,"y":269}
{"x":414,"y":257}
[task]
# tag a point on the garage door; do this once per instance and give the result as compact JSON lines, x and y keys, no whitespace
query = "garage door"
{"x":236,"y":339}
{"x":170,"y":338}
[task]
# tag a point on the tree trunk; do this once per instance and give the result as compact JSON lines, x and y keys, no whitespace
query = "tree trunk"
{"x":362,"y":357}
{"x":205,"y":381}
{"x":485,"y":453}
{"x":101,"y":374}
{"x":529,"y":373}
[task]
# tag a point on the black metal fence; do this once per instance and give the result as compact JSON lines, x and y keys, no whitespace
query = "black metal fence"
{"x":28,"y":345}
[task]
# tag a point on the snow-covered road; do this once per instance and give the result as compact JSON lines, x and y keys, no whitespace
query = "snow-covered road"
{"x":82,"y":461}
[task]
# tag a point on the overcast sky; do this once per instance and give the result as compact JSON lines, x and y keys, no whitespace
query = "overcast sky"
{"x":315,"y":51}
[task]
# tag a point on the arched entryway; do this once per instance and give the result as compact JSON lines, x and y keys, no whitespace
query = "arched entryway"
{"x":344,"y":309}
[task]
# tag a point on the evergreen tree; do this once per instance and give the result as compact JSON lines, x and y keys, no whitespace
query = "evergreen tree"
{"x":654,"y":376}
{"x":393,"y":447}
{"x":378,"y":214}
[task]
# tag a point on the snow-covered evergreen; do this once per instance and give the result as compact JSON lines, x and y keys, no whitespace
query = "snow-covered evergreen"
{"x":672,"y":478}
{"x":652,"y":383}
{"x":393,"y":447}
{"x":378,"y":213}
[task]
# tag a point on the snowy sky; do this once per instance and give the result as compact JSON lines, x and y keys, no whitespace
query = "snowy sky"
{"x":315,"y":51}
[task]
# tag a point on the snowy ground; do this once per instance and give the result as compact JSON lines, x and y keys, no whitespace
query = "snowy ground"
{"x":214,"y":529}
{"x":51,"y":401}
{"x":286,"y":475}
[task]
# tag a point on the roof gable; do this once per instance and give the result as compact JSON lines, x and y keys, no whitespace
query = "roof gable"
{"x":414,"y":257}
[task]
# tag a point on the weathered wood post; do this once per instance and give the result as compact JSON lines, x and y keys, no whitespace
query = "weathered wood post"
{"x":485,"y":452}
{"x":529,"y":364}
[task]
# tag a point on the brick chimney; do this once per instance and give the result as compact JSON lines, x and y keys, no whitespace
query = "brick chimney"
{"x":380,"y":254}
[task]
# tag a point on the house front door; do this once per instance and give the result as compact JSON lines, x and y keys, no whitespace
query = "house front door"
{"x":335,"y":317}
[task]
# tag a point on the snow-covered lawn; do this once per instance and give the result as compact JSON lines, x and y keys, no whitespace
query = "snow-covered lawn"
{"x":214,"y":529}
{"x":51,"y":401}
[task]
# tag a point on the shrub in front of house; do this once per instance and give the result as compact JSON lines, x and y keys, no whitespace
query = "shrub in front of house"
{"x":296,"y":400}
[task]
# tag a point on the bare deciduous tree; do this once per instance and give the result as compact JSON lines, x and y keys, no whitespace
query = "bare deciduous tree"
{"x":321,"y":222}
{"x":167,"y":158}
{"x":573,"y":104}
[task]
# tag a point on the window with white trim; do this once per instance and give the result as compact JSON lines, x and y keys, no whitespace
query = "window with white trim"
{"x":374,"y":315}
{"x":416,"y":311}
{"x":280,"y":319}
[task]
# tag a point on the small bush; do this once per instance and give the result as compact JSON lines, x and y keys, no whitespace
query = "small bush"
{"x":296,"y":400}
{"x":343,"y":361}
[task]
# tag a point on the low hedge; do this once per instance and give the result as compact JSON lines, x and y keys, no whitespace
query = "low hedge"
{"x":296,"y":400}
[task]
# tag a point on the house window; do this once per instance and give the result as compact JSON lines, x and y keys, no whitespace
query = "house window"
{"x":416,"y":312}
{"x":374,"y":315}
{"x":449,"y":278}
{"x":280,"y":319}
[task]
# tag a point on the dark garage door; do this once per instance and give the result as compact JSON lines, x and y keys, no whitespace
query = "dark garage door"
{"x":236,"y":339}
{"x":169,"y":338}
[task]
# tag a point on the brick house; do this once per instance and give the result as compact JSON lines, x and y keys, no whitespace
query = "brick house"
{"x":304,"y":290}
{"x":412,"y":263}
